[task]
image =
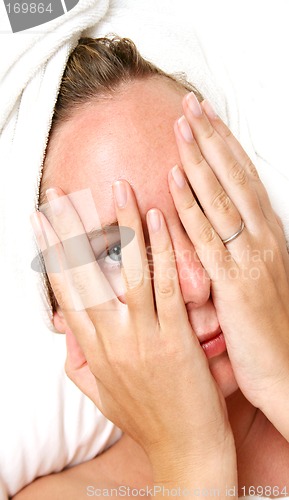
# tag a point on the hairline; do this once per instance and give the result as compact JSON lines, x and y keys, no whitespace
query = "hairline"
{"x":119,"y":89}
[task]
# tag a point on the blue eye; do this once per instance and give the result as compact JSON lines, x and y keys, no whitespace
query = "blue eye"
{"x":113,"y":254}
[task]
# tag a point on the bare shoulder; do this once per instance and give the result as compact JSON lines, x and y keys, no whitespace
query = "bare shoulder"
{"x":122,"y":467}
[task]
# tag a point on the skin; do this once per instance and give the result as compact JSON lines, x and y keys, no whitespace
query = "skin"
{"x":96,"y":144}
{"x":145,"y":164}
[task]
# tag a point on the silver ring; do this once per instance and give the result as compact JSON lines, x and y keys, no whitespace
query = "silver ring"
{"x":235,"y":235}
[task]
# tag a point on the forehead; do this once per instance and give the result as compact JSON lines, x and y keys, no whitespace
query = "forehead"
{"x":128,"y":136}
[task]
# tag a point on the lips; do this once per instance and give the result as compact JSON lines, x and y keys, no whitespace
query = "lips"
{"x":212,"y":342}
{"x":205,"y":337}
{"x":204,"y":321}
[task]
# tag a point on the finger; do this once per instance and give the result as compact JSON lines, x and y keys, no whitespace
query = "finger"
{"x":54,"y":260}
{"x":218,"y":156}
{"x":214,"y":200}
{"x":216,"y":203}
{"x":170,"y":305}
{"x":89,"y":288}
{"x":135,"y":269}
{"x":212,"y":253}
{"x":242,"y":158}
{"x":66,"y":288}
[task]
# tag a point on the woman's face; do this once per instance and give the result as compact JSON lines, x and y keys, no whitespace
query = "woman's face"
{"x":131,"y":136}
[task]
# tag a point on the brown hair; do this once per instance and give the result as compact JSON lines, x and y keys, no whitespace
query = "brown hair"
{"x":96,"y":69}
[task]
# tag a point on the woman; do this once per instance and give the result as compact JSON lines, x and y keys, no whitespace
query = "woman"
{"x":221,"y":422}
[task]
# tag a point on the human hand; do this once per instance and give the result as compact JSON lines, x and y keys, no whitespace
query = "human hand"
{"x":139,"y":361}
{"x":249,"y":274}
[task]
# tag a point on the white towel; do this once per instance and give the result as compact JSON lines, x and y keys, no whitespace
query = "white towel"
{"x":45,"y":422}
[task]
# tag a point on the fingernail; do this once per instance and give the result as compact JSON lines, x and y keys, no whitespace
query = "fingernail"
{"x":194,"y":105}
{"x":55,"y":201}
{"x":178,"y":177}
{"x":120,"y":193}
{"x":209,"y":110}
{"x":185,"y":129}
{"x":154,"y":220}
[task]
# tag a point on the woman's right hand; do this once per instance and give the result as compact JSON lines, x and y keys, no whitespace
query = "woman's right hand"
{"x":140,"y":361}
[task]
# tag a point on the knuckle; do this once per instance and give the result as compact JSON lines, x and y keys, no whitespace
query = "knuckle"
{"x":227,"y":134}
{"x":210,"y":133}
{"x":134,"y":279}
{"x":63,"y":224}
{"x":165,"y":251}
{"x":251,"y":169}
{"x":207,"y":234}
{"x":238,"y":174}
{"x":174,"y":351}
{"x":189,"y":203}
{"x":165,"y":287}
{"x":222,"y":202}
{"x":198,"y":159}
{"x":224,"y":131}
{"x":79,"y":280}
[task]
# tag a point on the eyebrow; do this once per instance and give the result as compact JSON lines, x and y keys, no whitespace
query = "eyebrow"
{"x":108,"y":228}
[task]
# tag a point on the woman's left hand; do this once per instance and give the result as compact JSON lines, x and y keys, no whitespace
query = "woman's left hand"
{"x":249,"y":274}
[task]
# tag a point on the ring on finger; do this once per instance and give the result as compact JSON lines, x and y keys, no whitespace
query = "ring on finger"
{"x":235,"y":235}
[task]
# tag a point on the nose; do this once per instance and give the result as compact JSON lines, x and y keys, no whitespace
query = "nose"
{"x":193,"y":278}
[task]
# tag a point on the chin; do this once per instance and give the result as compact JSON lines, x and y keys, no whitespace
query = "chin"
{"x":223,"y":374}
